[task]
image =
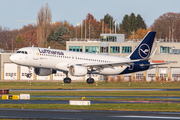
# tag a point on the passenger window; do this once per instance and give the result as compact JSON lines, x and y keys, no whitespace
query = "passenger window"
{"x":25,"y":52}
{"x":22,"y":52}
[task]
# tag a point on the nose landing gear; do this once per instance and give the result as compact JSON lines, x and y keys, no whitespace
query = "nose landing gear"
{"x":28,"y":75}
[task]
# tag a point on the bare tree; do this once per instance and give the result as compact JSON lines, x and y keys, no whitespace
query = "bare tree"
{"x":167,"y":26}
{"x":5,"y":38}
{"x":43,"y":24}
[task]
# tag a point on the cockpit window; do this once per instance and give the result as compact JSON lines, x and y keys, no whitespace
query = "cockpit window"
{"x":23,"y":52}
{"x":18,"y":52}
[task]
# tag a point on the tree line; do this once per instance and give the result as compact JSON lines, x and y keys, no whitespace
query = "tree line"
{"x":55,"y":34}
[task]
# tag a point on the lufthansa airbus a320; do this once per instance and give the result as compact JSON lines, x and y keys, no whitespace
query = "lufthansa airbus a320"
{"x":48,"y":61}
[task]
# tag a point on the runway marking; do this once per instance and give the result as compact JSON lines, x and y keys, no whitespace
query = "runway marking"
{"x":152,"y":117}
{"x":57,"y":110}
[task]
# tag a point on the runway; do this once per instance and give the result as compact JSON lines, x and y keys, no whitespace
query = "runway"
{"x":84,"y":114}
{"x":92,"y":101}
{"x":33,"y":90}
{"x":88,"y":114}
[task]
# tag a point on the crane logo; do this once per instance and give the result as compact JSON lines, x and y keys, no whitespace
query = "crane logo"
{"x":144,"y":51}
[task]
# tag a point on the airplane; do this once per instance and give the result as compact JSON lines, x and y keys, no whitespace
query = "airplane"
{"x":48,"y":61}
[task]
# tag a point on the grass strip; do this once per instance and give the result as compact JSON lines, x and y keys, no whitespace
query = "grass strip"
{"x":164,"y":107}
{"x":102,"y":99}
{"x":84,"y":85}
{"x":99,"y":93}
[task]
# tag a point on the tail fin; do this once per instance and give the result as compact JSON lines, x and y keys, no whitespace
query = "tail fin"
{"x":143,"y":50}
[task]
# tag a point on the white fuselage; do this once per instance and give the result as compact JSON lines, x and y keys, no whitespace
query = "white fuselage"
{"x":46,"y":61}
{"x":61,"y":59}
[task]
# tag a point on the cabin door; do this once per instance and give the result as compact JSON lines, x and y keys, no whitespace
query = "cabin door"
{"x":35,"y":54}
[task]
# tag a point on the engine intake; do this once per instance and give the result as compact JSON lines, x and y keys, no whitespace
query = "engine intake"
{"x":77,"y":70}
{"x":44,"y":72}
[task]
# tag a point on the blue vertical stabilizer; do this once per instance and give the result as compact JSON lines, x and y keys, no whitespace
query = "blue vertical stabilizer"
{"x":143,"y":50}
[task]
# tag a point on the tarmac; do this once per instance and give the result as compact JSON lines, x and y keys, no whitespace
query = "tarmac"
{"x":92,"y":101}
{"x":88,"y":114}
{"x":84,"y":114}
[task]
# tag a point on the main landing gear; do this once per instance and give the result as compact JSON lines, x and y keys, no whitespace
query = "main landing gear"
{"x":90,"y":80}
{"x":66,"y":79}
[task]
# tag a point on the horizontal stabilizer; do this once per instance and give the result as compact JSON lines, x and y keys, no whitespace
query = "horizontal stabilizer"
{"x":153,"y":64}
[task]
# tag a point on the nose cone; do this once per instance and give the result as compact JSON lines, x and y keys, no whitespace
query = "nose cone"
{"x":12,"y":58}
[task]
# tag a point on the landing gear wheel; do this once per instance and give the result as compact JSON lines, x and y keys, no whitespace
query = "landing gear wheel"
{"x":67,"y":80}
{"x":28,"y":75}
{"x":90,"y":81}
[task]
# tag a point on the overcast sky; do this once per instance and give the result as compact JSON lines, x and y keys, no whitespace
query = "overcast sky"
{"x":12,"y":12}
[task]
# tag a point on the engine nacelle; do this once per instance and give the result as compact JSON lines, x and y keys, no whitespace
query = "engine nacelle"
{"x":77,"y":70}
{"x":44,"y":72}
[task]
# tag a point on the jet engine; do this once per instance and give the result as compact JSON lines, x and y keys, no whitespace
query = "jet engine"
{"x":77,"y":70}
{"x":44,"y":72}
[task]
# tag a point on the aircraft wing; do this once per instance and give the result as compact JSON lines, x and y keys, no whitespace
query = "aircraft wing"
{"x":112,"y":64}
